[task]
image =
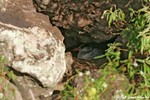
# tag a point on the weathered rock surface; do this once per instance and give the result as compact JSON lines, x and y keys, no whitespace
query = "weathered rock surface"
{"x":30,"y":90}
{"x":30,"y":43}
{"x":10,"y":91}
{"x":81,"y":20}
{"x":115,"y":85}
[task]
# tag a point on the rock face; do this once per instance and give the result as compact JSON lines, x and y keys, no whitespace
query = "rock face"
{"x":114,"y":85}
{"x":30,"y":43}
{"x":10,"y":91}
{"x":81,"y":20}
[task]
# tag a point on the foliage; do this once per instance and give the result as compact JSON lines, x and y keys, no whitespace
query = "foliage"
{"x":4,"y":70}
{"x":93,"y":87}
{"x":145,"y":1}
{"x":138,"y":32}
{"x":136,"y":66}
{"x":5,"y":74}
{"x":114,"y":15}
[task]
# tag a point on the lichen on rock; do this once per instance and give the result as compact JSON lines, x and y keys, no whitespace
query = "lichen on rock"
{"x":37,"y":53}
{"x":30,"y":43}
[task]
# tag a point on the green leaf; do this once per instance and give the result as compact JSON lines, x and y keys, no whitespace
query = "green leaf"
{"x":110,"y":20}
{"x":140,"y":60}
{"x":98,"y":57}
{"x":113,"y":15}
{"x":148,"y":62}
{"x":11,"y":75}
{"x":130,"y":54}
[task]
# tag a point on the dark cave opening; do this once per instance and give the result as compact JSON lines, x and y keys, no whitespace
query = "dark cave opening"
{"x":87,"y":51}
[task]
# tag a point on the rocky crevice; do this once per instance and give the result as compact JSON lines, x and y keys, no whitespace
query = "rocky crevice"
{"x":81,"y":21}
{"x":34,"y":46}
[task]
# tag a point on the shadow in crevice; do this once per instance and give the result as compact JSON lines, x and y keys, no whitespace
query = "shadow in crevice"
{"x":17,"y":73}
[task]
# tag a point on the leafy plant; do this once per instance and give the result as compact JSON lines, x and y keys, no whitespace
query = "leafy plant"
{"x":138,"y":31}
{"x":136,"y":66}
{"x":138,"y":35}
{"x":145,"y":1}
{"x":5,"y":74}
{"x":4,"y":69}
{"x":114,"y":15}
{"x":1,"y":65}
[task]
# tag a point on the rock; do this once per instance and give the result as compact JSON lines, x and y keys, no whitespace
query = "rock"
{"x":45,"y":2}
{"x":69,"y":59}
{"x":30,"y":43}
{"x":30,"y":89}
{"x":69,"y":62}
{"x":110,"y":84}
{"x":117,"y":86}
{"x":82,"y":21}
{"x":9,"y":91}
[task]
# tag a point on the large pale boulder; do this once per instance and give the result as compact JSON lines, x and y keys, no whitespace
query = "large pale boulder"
{"x":30,"y":43}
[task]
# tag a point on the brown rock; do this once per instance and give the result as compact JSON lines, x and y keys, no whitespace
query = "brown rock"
{"x":31,"y":45}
